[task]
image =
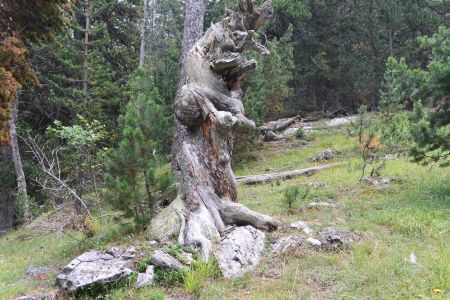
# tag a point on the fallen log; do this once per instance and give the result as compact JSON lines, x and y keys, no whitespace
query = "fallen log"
{"x":262,"y":178}
{"x":278,"y":125}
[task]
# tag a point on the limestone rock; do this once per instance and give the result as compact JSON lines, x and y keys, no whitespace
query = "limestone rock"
{"x":286,"y":243}
{"x":146,"y":278}
{"x":314,"y":242}
{"x":306,"y":227}
{"x":326,"y":155}
{"x":27,"y":298}
{"x":336,"y":239}
{"x":321,"y":204}
{"x":186,"y":258}
{"x":165,"y":261}
{"x":316,"y":185}
{"x":95,"y":267}
{"x":240,"y":251}
{"x":168,"y":223}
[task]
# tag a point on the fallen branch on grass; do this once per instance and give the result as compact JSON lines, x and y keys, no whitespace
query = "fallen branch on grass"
{"x":262,"y":178}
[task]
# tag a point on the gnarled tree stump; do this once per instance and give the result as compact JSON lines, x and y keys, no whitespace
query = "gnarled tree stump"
{"x":210,"y":106}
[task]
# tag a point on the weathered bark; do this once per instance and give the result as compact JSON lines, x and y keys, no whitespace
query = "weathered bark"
{"x":262,"y":178}
{"x":278,"y":124}
{"x":192,"y":32}
{"x":17,"y":159}
{"x":143,"y":35}
{"x":209,"y":108}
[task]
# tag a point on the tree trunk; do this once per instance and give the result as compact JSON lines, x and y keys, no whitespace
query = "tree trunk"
{"x":192,"y":32}
{"x":143,"y":36}
{"x":391,"y":43}
{"x":17,"y":159}
{"x":209,"y":108}
{"x":86,"y":48}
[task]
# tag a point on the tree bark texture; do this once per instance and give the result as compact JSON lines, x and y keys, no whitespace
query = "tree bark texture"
{"x":17,"y":159}
{"x":192,"y":32}
{"x":209,"y":108}
{"x":143,"y":35}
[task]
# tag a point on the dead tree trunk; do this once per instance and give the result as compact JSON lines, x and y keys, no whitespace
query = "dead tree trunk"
{"x":209,"y":107}
{"x":17,"y":159}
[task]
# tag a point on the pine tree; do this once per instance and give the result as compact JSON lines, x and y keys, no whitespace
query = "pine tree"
{"x":268,"y":92}
{"x":131,"y":178}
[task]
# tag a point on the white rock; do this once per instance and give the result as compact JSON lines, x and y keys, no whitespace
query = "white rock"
{"x":186,"y":258}
{"x":146,"y":278}
{"x":286,"y":243}
{"x":321,"y":204}
{"x":413,"y":259}
{"x":302,"y":226}
{"x":314,"y":241}
{"x":165,"y":261}
{"x":95,"y":267}
{"x":240,"y":251}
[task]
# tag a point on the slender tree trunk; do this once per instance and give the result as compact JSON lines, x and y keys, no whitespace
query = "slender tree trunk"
{"x":143,"y":36}
{"x":86,"y":48}
{"x":192,"y":32}
{"x":391,"y":42}
{"x":17,"y":159}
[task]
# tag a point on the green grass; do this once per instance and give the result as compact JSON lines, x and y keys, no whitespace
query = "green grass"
{"x":412,"y":215}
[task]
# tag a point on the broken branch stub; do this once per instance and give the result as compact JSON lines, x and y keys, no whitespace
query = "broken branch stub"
{"x":210,"y":107}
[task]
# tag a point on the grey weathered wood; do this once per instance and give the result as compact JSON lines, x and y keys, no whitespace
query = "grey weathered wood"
{"x":208,"y":109}
{"x":17,"y":159}
{"x":278,"y":125}
{"x":262,"y":178}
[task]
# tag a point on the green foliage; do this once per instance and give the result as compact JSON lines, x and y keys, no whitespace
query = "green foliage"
{"x":170,"y":279}
{"x":131,"y":179}
{"x":199,"y":274}
{"x":269,"y":89}
{"x":427,"y":93}
{"x":291,"y":195}
{"x":300,"y":133}
{"x":368,"y":144}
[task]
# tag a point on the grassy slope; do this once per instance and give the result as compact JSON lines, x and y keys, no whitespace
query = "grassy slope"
{"x":410,"y":216}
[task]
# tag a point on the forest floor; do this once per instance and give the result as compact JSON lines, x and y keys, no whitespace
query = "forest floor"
{"x":409,"y":216}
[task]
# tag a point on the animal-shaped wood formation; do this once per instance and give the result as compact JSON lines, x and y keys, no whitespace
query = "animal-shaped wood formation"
{"x":210,"y":106}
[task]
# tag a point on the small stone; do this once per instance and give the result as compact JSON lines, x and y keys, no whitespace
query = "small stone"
{"x":186,"y":258}
{"x":326,"y":155}
{"x":165,"y":261}
{"x":314,"y":242}
{"x":413,"y":259}
{"x":286,"y":243}
{"x":37,"y":272}
{"x":316,"y":185}
{"x":302,"y":226}
{"x":321,"y":204}
{"x":336,"y":239}
{"x":146,"y":278}
{"x":153,"y":243}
